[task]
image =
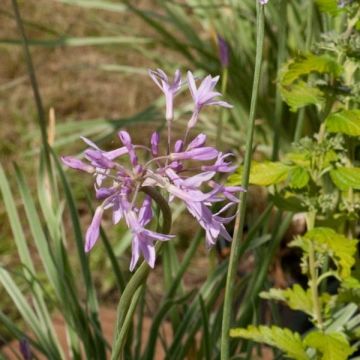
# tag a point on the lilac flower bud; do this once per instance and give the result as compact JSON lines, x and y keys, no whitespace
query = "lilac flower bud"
{"x":178,"y":146}
{"x":223,"y":51}
{"x":155,"y":139}
{"x":92,"y":233}
{"x":126,"y":140}
{"x":197,"y":142}
{"x":77,"y":164}
{"x":25,"y":350}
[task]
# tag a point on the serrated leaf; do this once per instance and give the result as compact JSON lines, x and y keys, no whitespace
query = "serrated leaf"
{"x":299,"y":177}
{"x":298,"y":93}
{"x":337,"y":246}
{"x":262,"y":173}
{"x":332,"y":346}
{"x":346,"y":178}
{"x":287,"y":341}
{"x":299,"y":158}
{"x":301,"y":94}
{"x":306,"y":64}
{"x":344,"y":122}
{"x":349,"y":291}
{"x":330,"y":7}
{"x":296,"y":298}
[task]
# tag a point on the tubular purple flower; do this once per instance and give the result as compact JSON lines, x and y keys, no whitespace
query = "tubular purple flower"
{"x":77,"y":164}
{"x":169,"y":89}
{"x":202,"y":153}
{"x":143,"y":239}
{"x":92,"y":233}
{"x":263,"y":2}
{"x":204,"y":95}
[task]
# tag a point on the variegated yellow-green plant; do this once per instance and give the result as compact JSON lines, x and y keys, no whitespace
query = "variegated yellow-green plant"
{"x":320,"y":177}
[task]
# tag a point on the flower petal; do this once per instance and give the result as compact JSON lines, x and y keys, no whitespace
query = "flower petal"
{"x":92,"y":233}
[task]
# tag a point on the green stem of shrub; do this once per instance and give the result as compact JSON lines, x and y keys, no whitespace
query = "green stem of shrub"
{"x":313,"y":281}
{"x":128,"y":300}
{"x":240,"y":218}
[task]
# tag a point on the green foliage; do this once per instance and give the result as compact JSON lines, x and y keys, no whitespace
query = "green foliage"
{"x":262,"y":174}
{"x":287,"y":341}
{"x":299,"y":177}
{"x":331,"y":346}
{"x":346,"y":178}
{"x":330,"y":243}
{"x":298,"y":93}
{"x":296,"y":298}
{"x":330,"y":7}
{"x":345,"y":122}
{"x":301,"y":94}
{"x":307,"y":64}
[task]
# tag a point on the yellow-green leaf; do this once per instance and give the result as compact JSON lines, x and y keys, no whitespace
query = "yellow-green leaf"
{"x":299,"y":177}
{"x":330,"y":7}
{"x":346,"y":178}
{"x":331,"y":346}
{"x":287,"y":341}
{"x":306,"y":64}
{"x":262,"y":173}
{"x":341,"y":249}
{"x":301,"y":94}
{"x":345,"y":122}
{"x":296,"y":298}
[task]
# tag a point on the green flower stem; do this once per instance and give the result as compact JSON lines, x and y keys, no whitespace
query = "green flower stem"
{"x":128,"y":300}
{"x":240,"y":218}
{"x":282,"y":31}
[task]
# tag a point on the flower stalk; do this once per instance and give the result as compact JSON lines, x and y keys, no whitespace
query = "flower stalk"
{"x":128,"y":300}
{"x":240,"y":218}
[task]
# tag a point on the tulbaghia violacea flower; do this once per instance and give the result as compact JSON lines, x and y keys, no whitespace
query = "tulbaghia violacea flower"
{"x":169,"y":89}
{"x":263,"y":2}
{"x":203,"y":96}
{"x":186,"y":173}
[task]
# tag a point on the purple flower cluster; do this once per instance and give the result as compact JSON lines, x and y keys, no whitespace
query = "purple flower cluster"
{"x":185,"y":172}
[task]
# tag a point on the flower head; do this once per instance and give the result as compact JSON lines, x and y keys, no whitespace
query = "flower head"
{"x":186,"y":172}
{"x":263,"y":2}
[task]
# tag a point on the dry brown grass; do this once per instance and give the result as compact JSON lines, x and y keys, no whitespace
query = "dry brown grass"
{"x":69,"y":77}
